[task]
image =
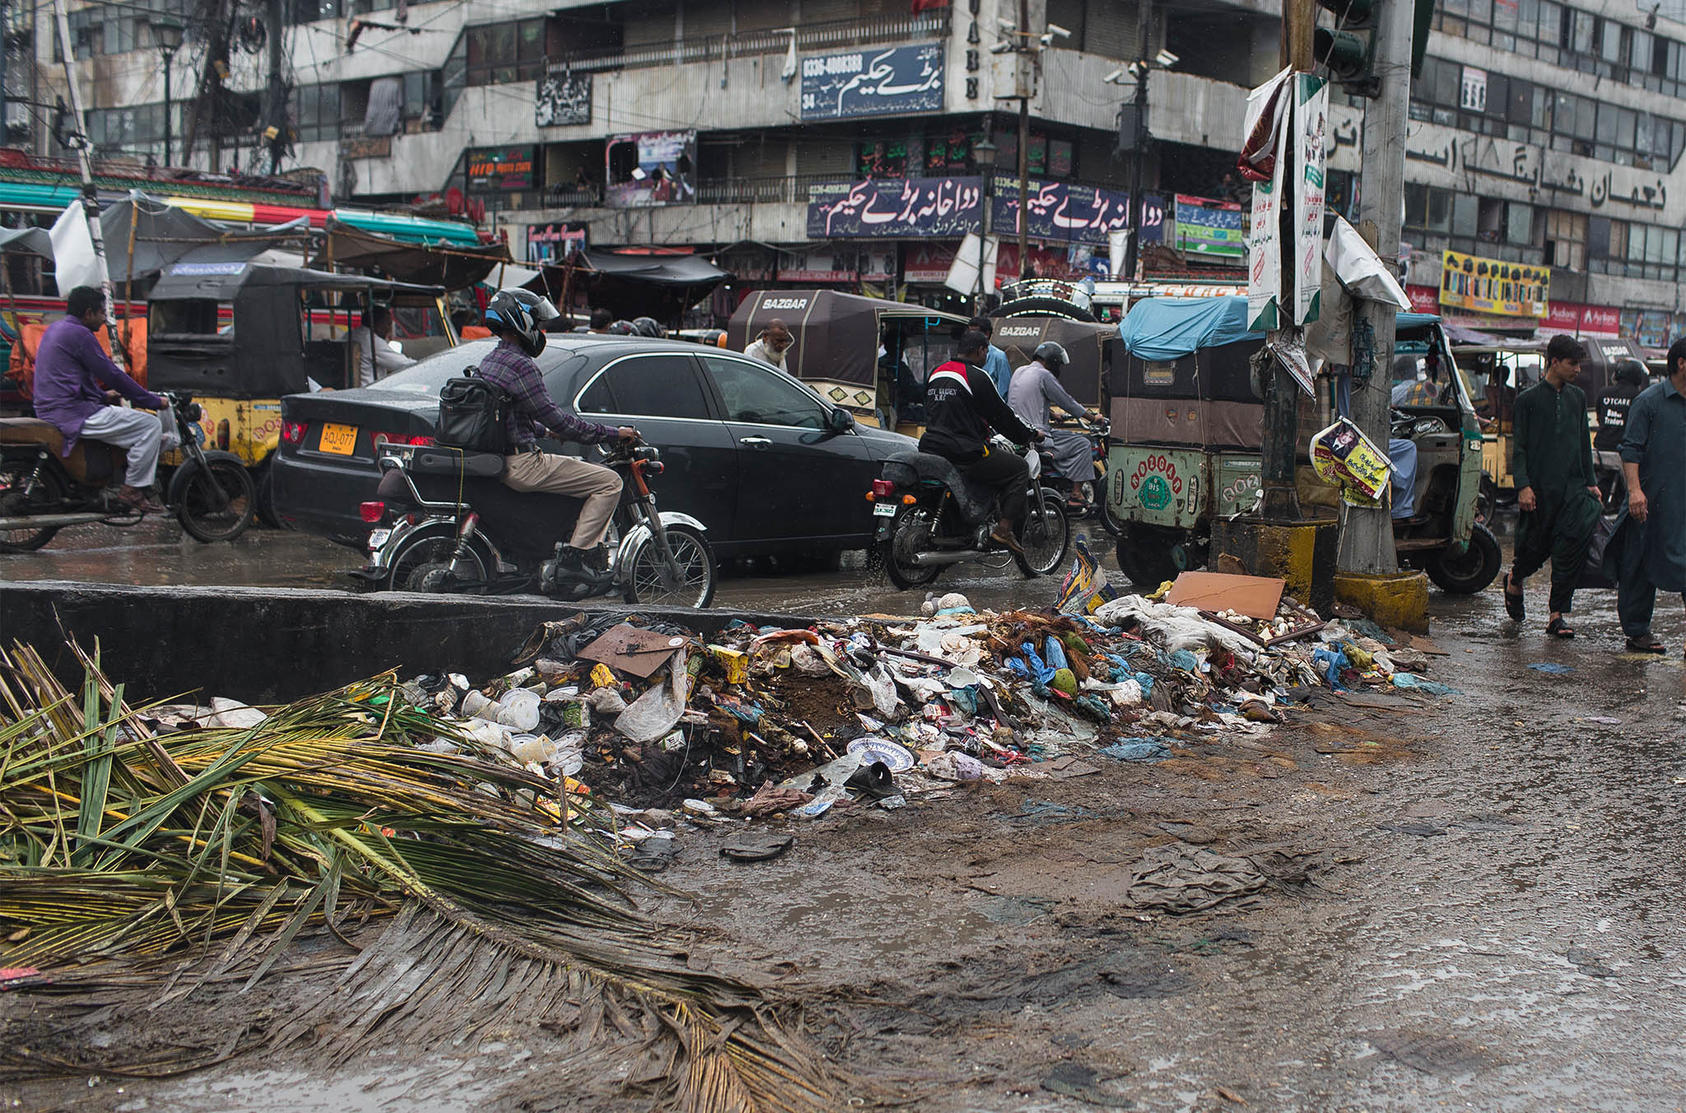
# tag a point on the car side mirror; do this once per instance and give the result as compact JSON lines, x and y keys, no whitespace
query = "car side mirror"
{"x":840,"y":421}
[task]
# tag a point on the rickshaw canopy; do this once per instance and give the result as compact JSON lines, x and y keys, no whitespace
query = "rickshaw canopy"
{"x":836,"y":334}
{"x":1089,"y":347}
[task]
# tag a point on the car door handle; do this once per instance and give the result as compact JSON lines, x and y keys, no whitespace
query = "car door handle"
{"x":755,"y":442}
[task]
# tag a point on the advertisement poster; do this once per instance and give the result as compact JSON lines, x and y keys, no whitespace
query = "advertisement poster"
{"x":1310,"y":125}
{"x":552,"y":243}
{"x":654,"y":168}
{"x":499,"y":169}
{"x":1206,"y":227}
{"x":893,"y":80}
{"x":562,"y":99}
{"x":1494,"y":286}
{"x":895,"y":207}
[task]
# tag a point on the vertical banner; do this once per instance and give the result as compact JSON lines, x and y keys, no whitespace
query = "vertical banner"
{"x":1264,"y":160}
{"x":1310,"y":121}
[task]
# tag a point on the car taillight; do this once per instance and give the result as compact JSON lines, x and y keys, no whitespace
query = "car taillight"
{"x":372,"y":512}
{"x":398,"y":439}
{"x":882,"y":488}
{"x":292,"y":432}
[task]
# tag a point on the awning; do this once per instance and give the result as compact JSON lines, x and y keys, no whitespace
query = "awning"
{"x":659,"y":286}
{"x":450,"y":265}
{"x":33,"y":241}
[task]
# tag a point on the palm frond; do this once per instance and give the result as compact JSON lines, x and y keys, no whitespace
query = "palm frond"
{"x":201,"y":859}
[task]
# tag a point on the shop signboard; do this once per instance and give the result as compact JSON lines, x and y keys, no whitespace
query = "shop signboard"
{"x":1494,"y":286}
{"x":895,"y":80}
{"x":552,"y":243}
{"x":499,"y":169}
{"x":650,"y":169}
{"x":1066,"y":212}
{"x":889,"y":207}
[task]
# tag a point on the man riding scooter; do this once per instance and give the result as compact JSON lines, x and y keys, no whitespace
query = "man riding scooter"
{"x":517,"y":318}
{"x":962,"y":407}
{"x":1034,"y":391}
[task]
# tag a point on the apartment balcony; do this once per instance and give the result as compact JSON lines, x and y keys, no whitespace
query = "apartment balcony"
{"x":840,"y":34}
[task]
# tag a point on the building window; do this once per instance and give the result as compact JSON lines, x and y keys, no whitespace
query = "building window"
{"x":316,"y":112}
{"x":502,"y":53}
{"x":1566,"y":239}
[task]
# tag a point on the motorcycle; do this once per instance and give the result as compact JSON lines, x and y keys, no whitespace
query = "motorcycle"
{"x":1098,"y":431}
{"x":42,"y":492}
{"x":930,"y":518}
{"x":444,"y":522}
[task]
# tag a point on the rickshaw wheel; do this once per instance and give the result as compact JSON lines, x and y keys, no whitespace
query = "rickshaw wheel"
{"x":1150,"y":555}
{"x":1470,"y":571}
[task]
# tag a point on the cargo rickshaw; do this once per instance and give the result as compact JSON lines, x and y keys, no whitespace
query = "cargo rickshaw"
{"x":238,"y":336}
{"x":1187,"y":426}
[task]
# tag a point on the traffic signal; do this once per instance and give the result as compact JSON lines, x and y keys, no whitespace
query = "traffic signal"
{"x":1348,"y":51}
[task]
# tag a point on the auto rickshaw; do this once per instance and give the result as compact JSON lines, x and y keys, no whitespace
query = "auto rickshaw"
{"x":238,"y":336}
{"x":1187,"y":426}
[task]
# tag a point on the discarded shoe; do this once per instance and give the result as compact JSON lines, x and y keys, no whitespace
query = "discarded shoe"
{"x":874,"y":780}
{"x":757,"y":846}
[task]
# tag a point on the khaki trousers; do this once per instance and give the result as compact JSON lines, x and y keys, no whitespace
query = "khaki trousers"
{"x":565,"y":475}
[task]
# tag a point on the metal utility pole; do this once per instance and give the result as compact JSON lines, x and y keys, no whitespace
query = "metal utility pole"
{"x":1026,"y":81}
{"x":276,"y":111}
{"x":90,"y":197}
{"x":1367,"y":537}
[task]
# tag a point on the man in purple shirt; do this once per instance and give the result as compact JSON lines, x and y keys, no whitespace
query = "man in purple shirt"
{"x":72,"y":377}
{"x":517,"y":318}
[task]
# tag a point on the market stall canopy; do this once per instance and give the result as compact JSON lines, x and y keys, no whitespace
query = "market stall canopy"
{"x":1089,"y":347}
{"x":143,"y":236}
{"x":1462,"y":336}
{"x":440,"y":263}
{"x":33,"y":241}
{"x":836,"y":334}
{"x":659,"y":286}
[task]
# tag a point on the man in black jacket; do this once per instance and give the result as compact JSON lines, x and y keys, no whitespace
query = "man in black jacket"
{"x":962,"y":407}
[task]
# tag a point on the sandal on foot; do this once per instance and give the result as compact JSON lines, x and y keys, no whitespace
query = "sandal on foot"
{"x":1514,"y":605}
{"x":1645,"y":643}
{"x":1557,"y":628}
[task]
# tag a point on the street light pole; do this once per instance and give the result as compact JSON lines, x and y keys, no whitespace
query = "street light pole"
{"x":167,"y":36}
{"x":983,"y":153}
{"x":1132,"y":248}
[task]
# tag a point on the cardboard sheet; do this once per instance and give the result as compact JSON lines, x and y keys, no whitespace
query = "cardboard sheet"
{"x":1253,"y":596}
{"x":631,"y":650}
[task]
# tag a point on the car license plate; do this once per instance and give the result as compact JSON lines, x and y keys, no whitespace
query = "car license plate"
{"x":884,"y":510}
{"x":338,"y":439}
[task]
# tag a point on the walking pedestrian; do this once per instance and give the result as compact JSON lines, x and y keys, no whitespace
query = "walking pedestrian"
{"x":996,"y":365}
{"x":1551,"y":458}
{"x":1648,"y":549}
{"x":1630,"y":378}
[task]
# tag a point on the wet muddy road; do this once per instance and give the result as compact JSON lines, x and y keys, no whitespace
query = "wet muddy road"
{"x":1473,"y":901}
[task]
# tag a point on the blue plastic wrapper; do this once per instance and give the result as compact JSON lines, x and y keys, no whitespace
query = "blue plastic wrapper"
{"x":1331,"y":663}
{"x":1137,"y":749}
{"x":1054,"y":653}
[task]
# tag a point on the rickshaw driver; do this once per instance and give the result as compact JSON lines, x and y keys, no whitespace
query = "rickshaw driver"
{"x":517,"y":318}
{"x":76,"y":384}
{"x":962,"y":407}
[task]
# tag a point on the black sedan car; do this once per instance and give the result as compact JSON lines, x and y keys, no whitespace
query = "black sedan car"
{"x":760,"y":459}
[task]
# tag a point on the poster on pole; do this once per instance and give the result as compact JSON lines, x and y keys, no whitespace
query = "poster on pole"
{"x":1263,"y":161}
{"x":1310,"y":123}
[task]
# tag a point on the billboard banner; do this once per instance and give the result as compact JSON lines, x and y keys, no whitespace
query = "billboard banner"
{"x":562,"y":99}
{"x":1503,"y":289}
{"x":1206,"y":227}
{"x":499,"y":169}
{"x":885,"y":207}
{"x":1066,"y":212}
{"x":894,"y":80}
{"x":653,"y":168}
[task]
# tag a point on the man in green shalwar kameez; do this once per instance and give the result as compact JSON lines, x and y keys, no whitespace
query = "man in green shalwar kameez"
{"x":1648,"y":550}
{"x":1555,"y":487}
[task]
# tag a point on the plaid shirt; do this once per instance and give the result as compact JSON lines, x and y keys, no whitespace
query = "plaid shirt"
{"x":535,"y":411}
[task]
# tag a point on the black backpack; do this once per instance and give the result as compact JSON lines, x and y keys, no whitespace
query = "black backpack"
{"x":473,"y":414}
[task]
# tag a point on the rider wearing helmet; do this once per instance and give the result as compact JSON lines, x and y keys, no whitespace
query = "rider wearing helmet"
{"x":1033,"y":391}
{"x":646,"y":326}
{"x":962,"y":408}
{"x":1630,"y":378}
{"x":621,"y":328}
{"x":517,"y":318}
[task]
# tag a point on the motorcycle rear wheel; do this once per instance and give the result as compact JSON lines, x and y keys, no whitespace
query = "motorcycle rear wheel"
{"x":1045,"y":539}
{"x":910,"y":532}
{"x":425,"y":565}
{"x":49,"y":492}
{"x":695,"y":573}
{"x":215,"y":501}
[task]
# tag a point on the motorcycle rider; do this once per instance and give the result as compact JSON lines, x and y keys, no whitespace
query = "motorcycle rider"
{"x":517,"y":318}
{"x":1033,"y":392}
{"x":73,"y":376}
{"x":962,"y":407}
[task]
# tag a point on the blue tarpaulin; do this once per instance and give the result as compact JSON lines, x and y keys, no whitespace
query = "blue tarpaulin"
{"x":1170,"y":328}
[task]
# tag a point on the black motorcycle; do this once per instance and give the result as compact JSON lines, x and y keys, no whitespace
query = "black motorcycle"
{"x":930,"y":517}
{"x":42,"y":492}
{"x":444,"y":522}
{"x":1091,"y":492}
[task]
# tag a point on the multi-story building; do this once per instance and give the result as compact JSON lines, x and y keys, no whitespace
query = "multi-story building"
{"x":839,"y":141}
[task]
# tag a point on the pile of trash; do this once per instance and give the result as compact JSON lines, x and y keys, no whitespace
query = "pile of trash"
{"x":757,"y":721}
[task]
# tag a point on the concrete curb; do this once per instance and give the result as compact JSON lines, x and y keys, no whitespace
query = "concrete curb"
{"x":268,"y":645}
